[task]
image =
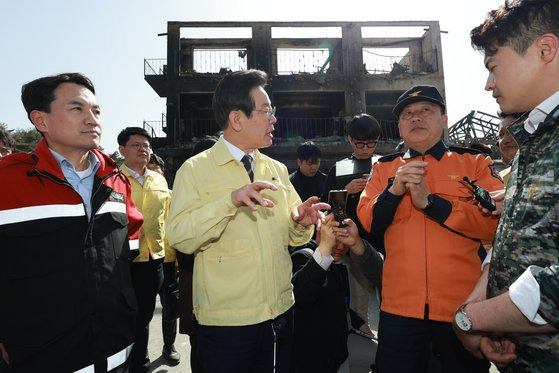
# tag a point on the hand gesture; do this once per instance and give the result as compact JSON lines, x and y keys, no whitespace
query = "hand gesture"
{"x":325,"y":237}
{"x":249,"y":195}
{"x":499,"y":197}
{"x":356,"y":185}
{"x":308,"y":212}
{"x":499,"y":350}
{"x":410,"y":173}
{"x":349,"y":236}
{"x":471,"y":341}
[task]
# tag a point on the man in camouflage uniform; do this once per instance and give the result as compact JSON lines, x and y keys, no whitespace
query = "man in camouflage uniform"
{"x":512,"y":316}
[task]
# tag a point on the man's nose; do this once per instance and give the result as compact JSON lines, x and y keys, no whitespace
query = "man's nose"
{"x":93,"y":119}
{"x":490,"y":82}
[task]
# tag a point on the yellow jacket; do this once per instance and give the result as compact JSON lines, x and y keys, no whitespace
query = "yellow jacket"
{"x":242,"y":269}
{"x":152,"y":199}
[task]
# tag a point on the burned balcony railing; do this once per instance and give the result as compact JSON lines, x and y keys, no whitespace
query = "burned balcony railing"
{"x":219,"y":60}
{"x":411,"y":63}
{"x":286,"y":129}
{"x":155,"y":127}
{"x":155,"y":66}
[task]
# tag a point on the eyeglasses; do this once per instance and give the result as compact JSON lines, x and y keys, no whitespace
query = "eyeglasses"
{"x":362,"y":144}
{"x":138,"y":146}
{"x":270,"y":112}
{"x":423,"y":113}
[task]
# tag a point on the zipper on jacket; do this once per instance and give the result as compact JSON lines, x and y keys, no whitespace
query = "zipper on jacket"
{"x":425,"y":248}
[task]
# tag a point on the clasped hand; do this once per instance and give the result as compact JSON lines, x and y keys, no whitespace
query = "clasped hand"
{"x":410,"y":178}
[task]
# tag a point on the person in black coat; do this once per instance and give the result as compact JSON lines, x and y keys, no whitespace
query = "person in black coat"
{"x":322,"y":296}
{"x":363,"y":133}
{"x":308,"y":180}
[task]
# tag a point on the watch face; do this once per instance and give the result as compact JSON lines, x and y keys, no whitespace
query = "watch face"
{"x":463,"y":321}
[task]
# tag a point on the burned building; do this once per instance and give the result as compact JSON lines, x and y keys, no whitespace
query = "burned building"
{"x":321,"y":74}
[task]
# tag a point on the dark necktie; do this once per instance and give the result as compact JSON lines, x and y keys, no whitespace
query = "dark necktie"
{"x":247,"y":162}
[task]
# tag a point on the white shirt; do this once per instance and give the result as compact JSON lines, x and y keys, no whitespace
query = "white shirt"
{"x":237,"y":153}
{"x":136,"y":175}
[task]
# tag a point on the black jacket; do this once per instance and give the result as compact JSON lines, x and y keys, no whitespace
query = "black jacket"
{"x":308,"y":186}
{"x":321,"y":329}
{"x":66,"y":296}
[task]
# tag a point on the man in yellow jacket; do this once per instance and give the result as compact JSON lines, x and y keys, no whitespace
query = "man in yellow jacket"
{"x":152,"y":196}
{"x":239,"y":231}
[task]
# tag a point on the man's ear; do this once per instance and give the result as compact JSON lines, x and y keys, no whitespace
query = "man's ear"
{"x":445,"y":120}
{"x":121,"y":150}
{"x":235,"y":117}
{"x":38,"y":118}
{"x":298,"y":162}
{"x":548,"y":45}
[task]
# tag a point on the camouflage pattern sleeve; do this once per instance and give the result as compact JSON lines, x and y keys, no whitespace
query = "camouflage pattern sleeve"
{"x":548,"y":279}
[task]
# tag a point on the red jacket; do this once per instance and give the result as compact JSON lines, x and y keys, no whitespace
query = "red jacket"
{"x":67,"y":298}
{"x":428,"y":258}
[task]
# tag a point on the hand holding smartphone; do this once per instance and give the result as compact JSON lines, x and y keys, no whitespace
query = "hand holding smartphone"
{"x":338,"y":200}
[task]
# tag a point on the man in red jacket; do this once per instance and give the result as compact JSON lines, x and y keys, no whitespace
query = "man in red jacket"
{"x":68,"y":227}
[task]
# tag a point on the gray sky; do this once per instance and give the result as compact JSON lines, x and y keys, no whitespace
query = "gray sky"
{"x":107,"y":40}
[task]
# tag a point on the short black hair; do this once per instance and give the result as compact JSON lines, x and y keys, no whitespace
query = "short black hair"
{"x":39,"y":93}
{"x":204,"y":143}
{"x":233,"y":93}
{"x":516,"y":23}
{"x":156,"y":160}
{"x":364,"y":127}
{"x":308,"y":151}
{"x":125,"y":134}
{"x":6,"y":139}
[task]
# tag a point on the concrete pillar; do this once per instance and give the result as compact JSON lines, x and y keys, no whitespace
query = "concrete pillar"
{"x":352,"y":52}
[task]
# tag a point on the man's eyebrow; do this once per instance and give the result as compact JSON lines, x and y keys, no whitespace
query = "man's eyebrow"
{"x":79,"y":103}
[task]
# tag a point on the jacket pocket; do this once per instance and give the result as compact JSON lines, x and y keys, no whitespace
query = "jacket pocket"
{"x":227,"y":277}
{"x":111,"y":232}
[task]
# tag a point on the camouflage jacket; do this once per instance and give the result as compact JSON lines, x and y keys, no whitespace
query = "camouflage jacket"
{"x":528,"y":234}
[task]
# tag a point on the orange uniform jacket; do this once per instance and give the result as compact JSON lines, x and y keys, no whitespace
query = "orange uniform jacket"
{"x":427,"y":262}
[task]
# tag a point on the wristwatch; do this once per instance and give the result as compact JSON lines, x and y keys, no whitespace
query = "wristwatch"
{"x":462,"y":319}
{"x":430,"y":202}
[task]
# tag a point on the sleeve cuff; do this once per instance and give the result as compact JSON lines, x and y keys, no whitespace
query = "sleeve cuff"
{"x":487,"y":259}
{"x":134,"y":245}
{"x":323,"y":261}
{"x":525,"y":294}
{"x":389,"y":198}
{"x":440,"y":210}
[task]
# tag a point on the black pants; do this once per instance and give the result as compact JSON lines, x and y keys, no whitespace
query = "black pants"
{"x":168,"y":325}
{"x":405,"y":346}
{"x":247,"y":349}
{"x":147,"y":278}
{"x":195,"y":364}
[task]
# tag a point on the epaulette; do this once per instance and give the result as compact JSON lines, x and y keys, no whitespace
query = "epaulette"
{"x":390,"y":157}
{"x":462,"y":150}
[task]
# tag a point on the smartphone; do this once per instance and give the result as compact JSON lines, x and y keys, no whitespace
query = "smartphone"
{"x":338,"y":200}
